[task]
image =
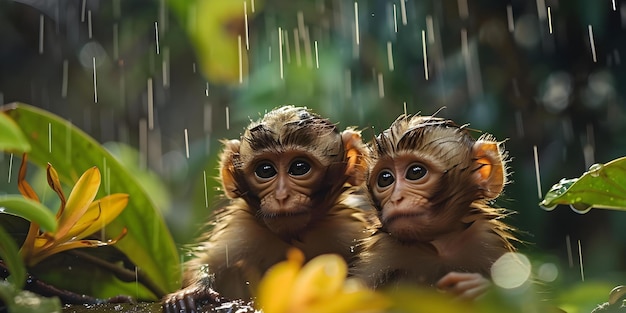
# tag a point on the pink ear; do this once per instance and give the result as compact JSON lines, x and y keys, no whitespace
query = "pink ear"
{"x":490,"y":174}
{"x":228,"y":175}
{"x":357,"y":156}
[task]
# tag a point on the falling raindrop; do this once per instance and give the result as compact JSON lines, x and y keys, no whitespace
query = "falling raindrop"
{"x":536,"y":156}
{"x":82,"y":11}
{"x":245,"y":19}
{"x":381,"y":86}
{"x":570,"y":255}
{"x":227,"y":118}
{"x":95,"y":86}
{"x":206,"y":196}
{"x":550,"y":20}
{"x":41,"y":29}
{"x":592,"y":44}
{"x":395,"y":18}
{"x":186,"y":143}
{"x":509,"y":17}
{"x":150,"y":105}
{"x":286,"y":44}
{"x":10,"y":167}
{"x":296,"y":39}
{"x":166,"y":67}
{"x":403,"y":12}
{"x":425,"y":55}
{"x":156,"y":35}
{"x":356,"y":21}
{"x":240,"y":59}
{"x":64,"y":80}
{"x":89,"y":27}
{"x":317,"y":58}
{"x":49,"y":138}
{"x":580,"y":258}
{"x":389,"y":57}
{"x":280,"y":52}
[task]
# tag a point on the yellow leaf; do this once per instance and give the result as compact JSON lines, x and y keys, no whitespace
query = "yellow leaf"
{"x":101,"y":212}
{"x":79,"y":200}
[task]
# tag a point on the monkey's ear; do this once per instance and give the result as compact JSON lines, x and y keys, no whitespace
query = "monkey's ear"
{"x":490,"y":172}
{"x":357,"y":156}
{"x":228,"y":167}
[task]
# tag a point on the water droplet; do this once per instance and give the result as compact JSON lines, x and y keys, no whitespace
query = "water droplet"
{"x":546,"y":207}
{"x":580,"y":207}
{"x":594,"y":170}
{"x":617,"y":294}
{"x":351,"y":249}
{"x":69,"y":268}
{"x":2,"y":209}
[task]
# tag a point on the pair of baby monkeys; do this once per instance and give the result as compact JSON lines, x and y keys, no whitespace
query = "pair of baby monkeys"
{"x":413,"y":206}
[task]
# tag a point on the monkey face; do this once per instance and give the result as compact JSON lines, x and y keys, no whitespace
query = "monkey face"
{"x":403,"y":187}
{"x":285,"y":184}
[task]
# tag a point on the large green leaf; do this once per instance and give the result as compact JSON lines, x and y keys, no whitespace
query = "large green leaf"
{"x":602,"y":186}
{"x":12,"y":138}
{"x":148,"y":243}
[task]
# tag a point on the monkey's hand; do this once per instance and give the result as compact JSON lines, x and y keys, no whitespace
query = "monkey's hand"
{"x":466,"y":286}
{"x":190,"y":298}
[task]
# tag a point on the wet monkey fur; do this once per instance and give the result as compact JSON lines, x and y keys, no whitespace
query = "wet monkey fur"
{"x":431,"y":183}
{"x":290,"y":182}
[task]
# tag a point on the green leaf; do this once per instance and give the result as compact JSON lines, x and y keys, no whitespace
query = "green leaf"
{"x":11,"y":258}
{"x":148,"y":243}
{"x":602,"y":186}
{"x":12,"y":138}
{"x":30,"y":210}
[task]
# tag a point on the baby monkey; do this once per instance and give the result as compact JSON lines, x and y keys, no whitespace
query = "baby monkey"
{"x":431,"y":183}
{"x":290,"y":179}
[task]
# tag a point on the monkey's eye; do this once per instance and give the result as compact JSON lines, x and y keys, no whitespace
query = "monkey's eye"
{"x":385,"y":178}
{"x":415,"y":172}
{"x":299,"y":168}
{"x":265,"y":170}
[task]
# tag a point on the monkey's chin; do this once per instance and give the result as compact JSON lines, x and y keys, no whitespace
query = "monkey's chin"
{"x":287,"y":224}
{"x":409,"y":228}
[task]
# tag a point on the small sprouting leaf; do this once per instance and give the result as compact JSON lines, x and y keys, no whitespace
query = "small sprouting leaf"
{"x":30,"y":210}
{"x":602,"y":186}
{"x":12,"y":138}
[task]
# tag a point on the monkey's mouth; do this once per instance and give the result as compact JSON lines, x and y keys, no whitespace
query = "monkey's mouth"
{"x":402,"y":216}
{"x":278,"y":215}
{"x":287,"y":223}
{"x":283,"y":214}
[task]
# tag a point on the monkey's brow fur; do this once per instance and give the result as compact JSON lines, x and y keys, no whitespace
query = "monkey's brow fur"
{"x":298,"y":128}
{"x":408,"y":133}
